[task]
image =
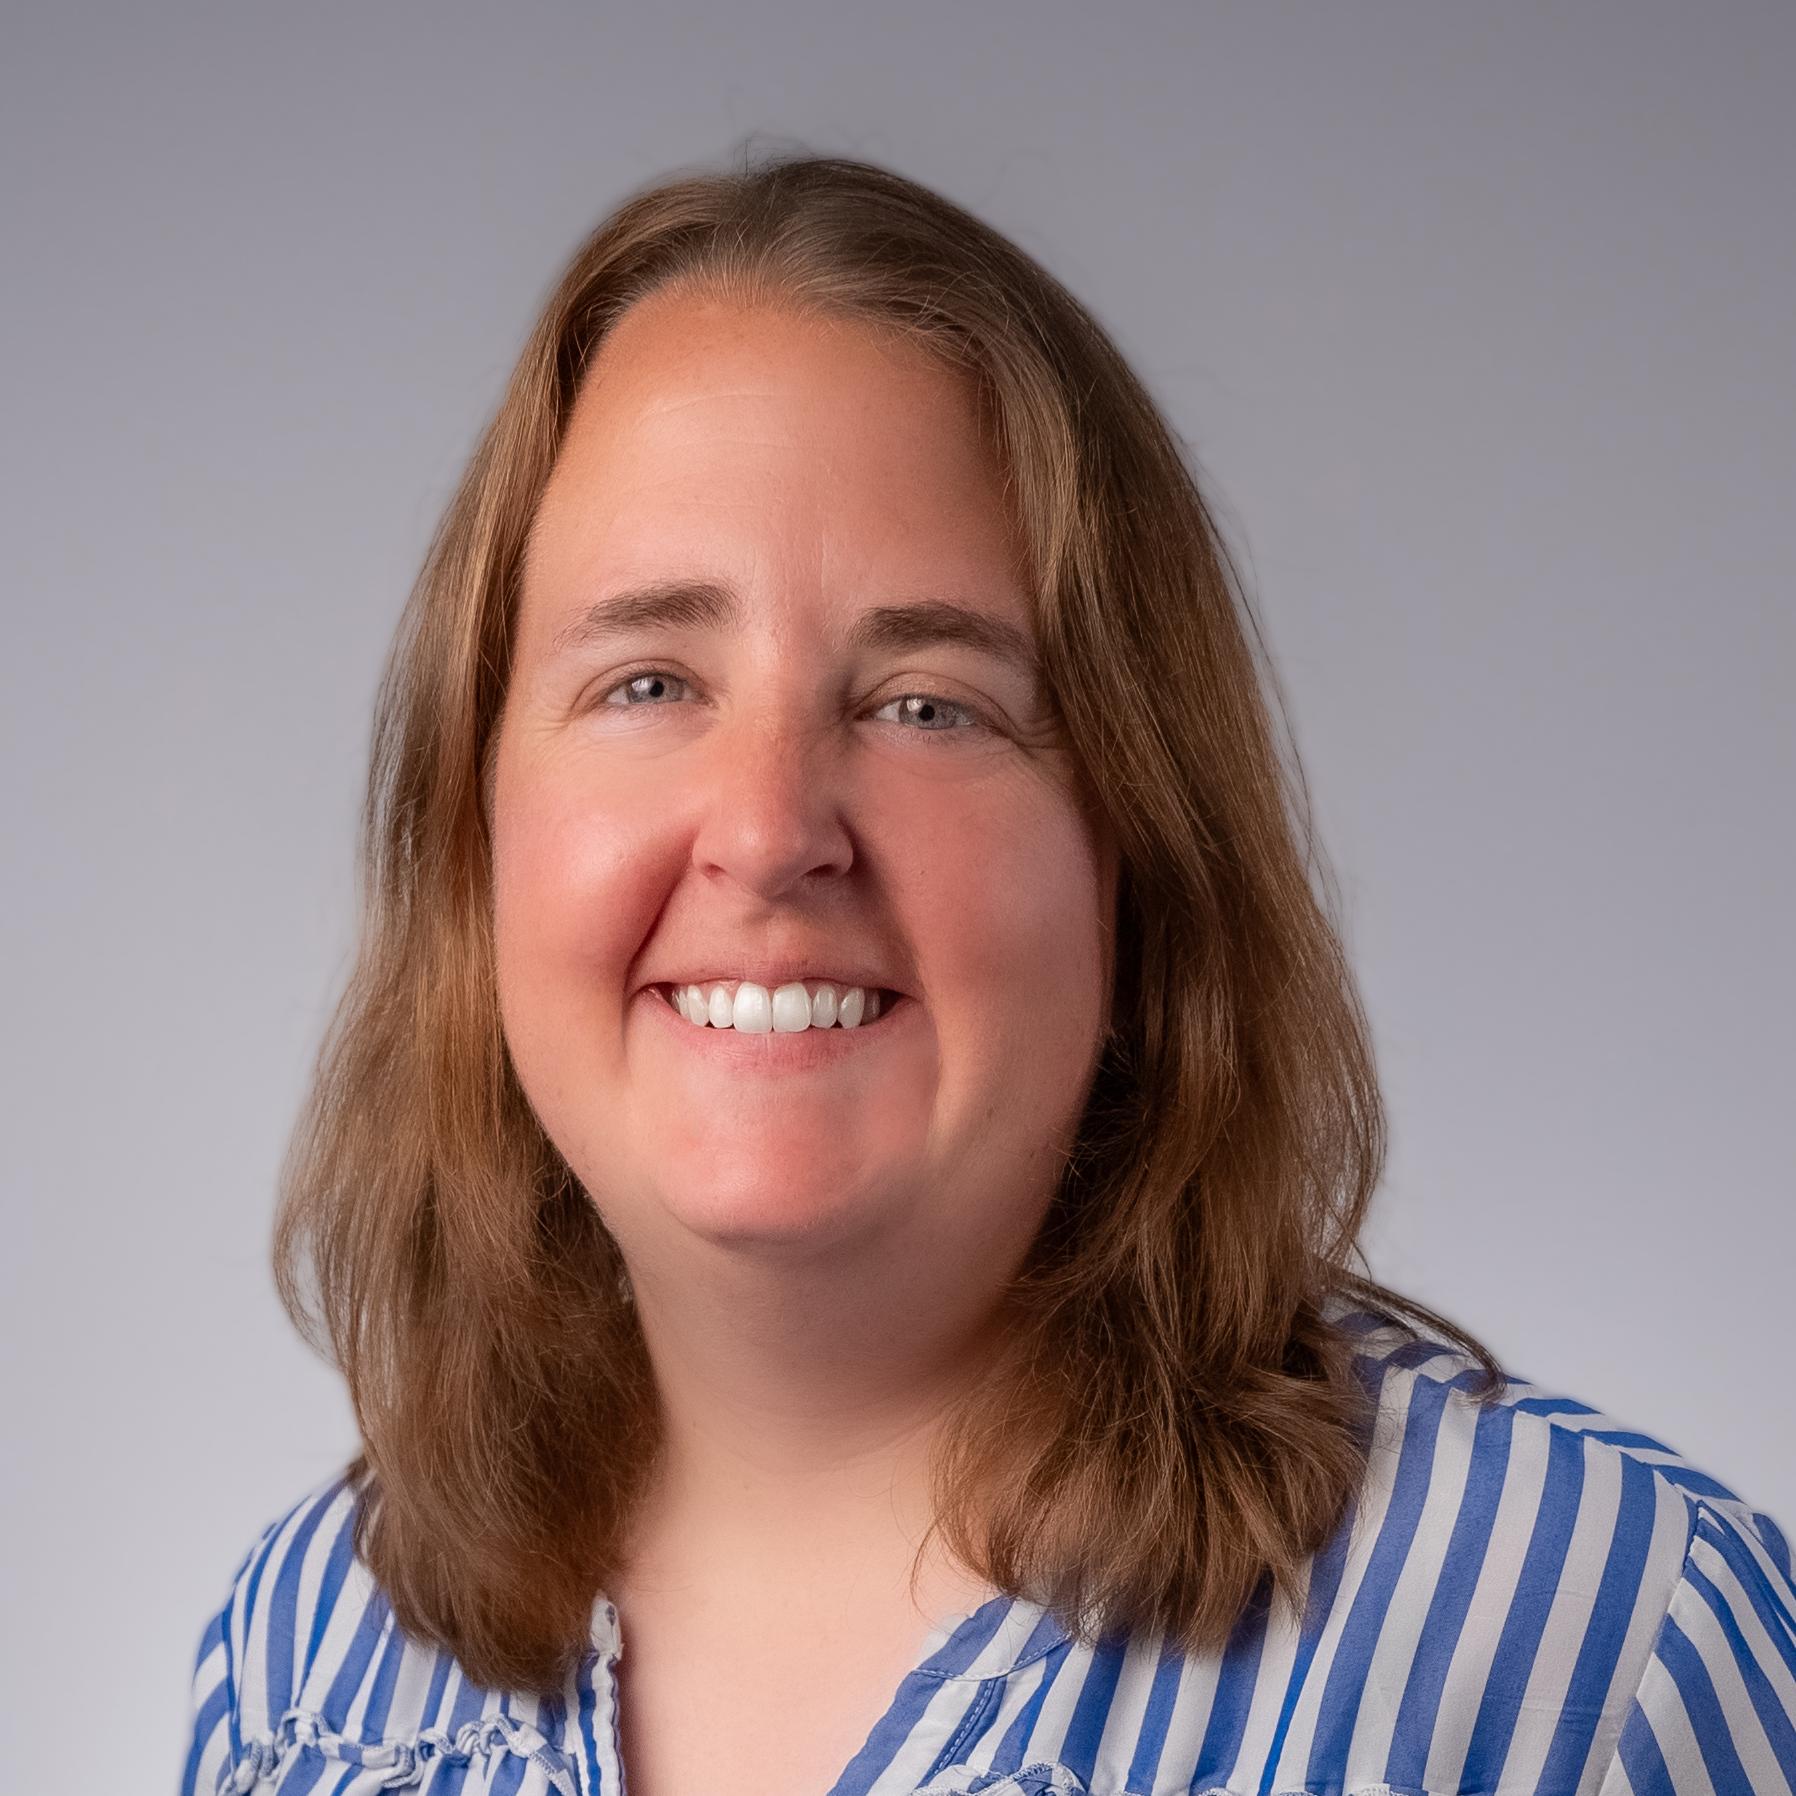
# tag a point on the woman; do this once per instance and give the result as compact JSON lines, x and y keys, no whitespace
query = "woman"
{"x":841,"y":1160}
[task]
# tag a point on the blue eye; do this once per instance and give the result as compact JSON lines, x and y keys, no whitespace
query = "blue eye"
{"x":929,"y":706}
{"x":922,"y":708}
{"x":648,"y":676}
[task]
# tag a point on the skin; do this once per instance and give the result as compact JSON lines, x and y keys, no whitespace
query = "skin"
{"x":816,"y":1255}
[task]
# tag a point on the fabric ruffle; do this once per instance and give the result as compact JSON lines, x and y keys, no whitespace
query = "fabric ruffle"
{"x":399,"y":1762}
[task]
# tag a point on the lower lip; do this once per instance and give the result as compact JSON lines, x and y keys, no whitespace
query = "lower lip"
{"x":784,"y":1051}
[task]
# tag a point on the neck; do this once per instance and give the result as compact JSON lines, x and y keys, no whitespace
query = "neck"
{"x":800,"y":1412}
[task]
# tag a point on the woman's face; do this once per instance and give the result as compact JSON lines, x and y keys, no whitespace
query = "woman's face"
{"x":765,"y":763}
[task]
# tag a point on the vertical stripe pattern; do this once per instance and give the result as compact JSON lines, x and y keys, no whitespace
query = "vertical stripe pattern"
{"x":1527,"y":1596}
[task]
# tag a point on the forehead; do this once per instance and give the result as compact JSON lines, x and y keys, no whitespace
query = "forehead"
{"x":769,"y":432}
{"x":823,"y":375}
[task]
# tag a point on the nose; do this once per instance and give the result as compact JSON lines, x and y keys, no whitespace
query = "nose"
{"x":772,"y":812}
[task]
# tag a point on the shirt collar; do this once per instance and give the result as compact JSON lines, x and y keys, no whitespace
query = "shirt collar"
{"x":1000,"y":1636}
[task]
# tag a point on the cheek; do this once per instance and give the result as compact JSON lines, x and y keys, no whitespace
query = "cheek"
{"x":575,"y":890}
{"x":1008,"y":909}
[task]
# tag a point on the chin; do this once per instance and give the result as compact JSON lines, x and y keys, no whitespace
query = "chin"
{"x":753,"y":1210}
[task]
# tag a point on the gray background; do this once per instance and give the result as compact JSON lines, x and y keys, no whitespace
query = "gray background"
{"x":1477,"y":320}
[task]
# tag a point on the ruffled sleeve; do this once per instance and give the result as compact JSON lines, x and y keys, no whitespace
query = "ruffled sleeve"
{"x":304,"y":1681}
{"x":1715,"y":1708}
{"x":212,"y":1710}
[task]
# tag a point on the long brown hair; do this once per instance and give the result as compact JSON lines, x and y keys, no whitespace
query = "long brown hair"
{"x":1177,"y":1421}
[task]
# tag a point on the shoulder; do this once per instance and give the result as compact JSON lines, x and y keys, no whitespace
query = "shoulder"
{"x":1553,"y":1453}
{"x":1538,"y":1588}
{"x":304,"y":1665}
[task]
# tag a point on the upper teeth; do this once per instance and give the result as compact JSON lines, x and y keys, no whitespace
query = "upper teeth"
{"x":741,"y":1004}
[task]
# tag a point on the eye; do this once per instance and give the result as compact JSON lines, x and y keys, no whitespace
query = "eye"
{"x":647,"y":685}
{"x":645,"y":677}
{"x":927,"y":707}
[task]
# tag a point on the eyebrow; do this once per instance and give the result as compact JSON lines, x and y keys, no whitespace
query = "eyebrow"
{"x":709,"y":605}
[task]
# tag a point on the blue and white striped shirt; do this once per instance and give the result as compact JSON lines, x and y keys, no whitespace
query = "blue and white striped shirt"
{"x":1530,"y":1597}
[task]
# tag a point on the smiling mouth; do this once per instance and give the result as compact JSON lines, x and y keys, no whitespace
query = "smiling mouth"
{"x":889,"y":1001}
